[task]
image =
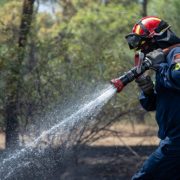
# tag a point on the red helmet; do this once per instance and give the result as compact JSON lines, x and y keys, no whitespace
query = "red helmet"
{"x":144,"y":31}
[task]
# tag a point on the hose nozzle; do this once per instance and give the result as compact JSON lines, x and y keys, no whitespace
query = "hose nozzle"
{"x":118,"y":84}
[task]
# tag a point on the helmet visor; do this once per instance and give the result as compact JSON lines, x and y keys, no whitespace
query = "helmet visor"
{"x":134,"y":40}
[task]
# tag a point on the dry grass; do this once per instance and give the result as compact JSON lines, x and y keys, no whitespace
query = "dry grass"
{"x":130,"y":135}
{"x":2,"y":140}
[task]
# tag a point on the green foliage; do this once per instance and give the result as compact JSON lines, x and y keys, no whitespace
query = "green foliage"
{"x":2,"y":2}
{"x":93,"y":49}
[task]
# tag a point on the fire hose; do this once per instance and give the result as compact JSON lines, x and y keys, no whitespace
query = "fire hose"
{"x":141,"y":65}
{"x":120,"y":82}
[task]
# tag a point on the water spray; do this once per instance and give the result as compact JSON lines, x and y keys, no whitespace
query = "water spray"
{"x":30,"y":156}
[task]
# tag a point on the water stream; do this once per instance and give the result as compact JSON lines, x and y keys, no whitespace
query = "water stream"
{"x":18,"y":160}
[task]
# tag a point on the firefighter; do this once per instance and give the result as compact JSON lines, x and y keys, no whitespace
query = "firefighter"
{"x":151,"y":35}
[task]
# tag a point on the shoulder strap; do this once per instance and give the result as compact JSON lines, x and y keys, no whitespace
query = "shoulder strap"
{"x":166,"y":50}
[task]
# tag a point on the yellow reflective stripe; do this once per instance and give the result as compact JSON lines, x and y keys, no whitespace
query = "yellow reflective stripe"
{"x":177,"y":66}
{"x":138,"y":29}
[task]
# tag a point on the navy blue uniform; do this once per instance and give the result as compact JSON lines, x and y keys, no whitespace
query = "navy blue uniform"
{"x":164,"y":163}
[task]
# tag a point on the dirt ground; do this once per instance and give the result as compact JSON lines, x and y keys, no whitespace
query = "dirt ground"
{"x":110,"y":158}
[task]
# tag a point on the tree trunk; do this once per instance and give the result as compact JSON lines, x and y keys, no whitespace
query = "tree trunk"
{"x":14,"y":82}
{"x":105,"y":2}
{"x":25,"y":22}
{"x":144,"y":7}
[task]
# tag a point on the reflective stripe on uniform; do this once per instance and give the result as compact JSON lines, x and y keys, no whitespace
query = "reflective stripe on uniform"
{"x":177,"y":66}
{"x":177,"y":58}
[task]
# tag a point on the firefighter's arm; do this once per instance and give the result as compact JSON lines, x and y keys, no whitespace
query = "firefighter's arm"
{"x":148,"y":102}
{"x":169,"y":72}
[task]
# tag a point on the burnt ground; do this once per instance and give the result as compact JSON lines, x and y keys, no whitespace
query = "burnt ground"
{"x":105,"y":163}
{"x":84,"y":163}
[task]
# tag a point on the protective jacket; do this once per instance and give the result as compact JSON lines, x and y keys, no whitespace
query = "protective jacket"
{"x":166,"y":97}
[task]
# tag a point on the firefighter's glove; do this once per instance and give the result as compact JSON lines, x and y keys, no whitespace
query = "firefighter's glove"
{"x":145,"y":84}
{"x":156,"y":57}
